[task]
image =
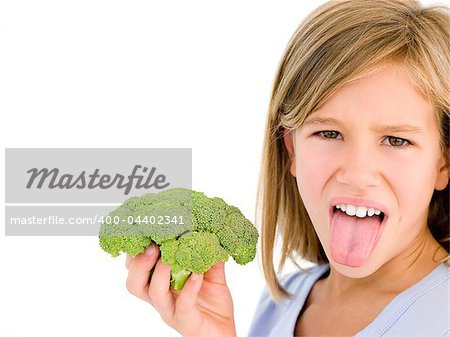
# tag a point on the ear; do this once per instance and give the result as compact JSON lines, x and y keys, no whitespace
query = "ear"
{"x":444,"y":172}
{"x":289,"y":143}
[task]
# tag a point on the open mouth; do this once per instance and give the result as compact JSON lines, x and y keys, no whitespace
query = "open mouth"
{"x":382,"y":216}
{"x":353,"y":238}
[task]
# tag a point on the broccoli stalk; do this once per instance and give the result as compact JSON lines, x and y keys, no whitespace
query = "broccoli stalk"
{"x":213,"y":231}
{"x":178,"y":278}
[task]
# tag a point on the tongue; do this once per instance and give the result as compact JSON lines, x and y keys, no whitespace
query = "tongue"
{"x":353,"y":238}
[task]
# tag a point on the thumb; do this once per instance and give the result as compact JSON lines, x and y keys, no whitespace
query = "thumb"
{"x":216,"y":274}
{"x":187,"y":298}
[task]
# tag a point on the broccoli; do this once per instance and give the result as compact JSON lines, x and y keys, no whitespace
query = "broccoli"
{"x":210,"y":231}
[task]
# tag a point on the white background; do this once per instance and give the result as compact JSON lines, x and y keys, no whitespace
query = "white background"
{"x":194,"y":74}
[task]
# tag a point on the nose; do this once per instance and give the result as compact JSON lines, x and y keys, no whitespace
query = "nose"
{"x":359,"y":167}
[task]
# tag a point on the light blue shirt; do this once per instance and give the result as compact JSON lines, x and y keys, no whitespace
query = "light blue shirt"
{"x":421,"y":310}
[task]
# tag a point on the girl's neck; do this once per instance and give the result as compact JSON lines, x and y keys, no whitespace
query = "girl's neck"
{"x":392,"y":278}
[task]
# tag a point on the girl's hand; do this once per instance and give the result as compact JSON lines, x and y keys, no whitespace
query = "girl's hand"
{"x":203,"y":307}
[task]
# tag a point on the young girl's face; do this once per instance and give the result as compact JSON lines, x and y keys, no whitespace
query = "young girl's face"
{"x":362,"y":155}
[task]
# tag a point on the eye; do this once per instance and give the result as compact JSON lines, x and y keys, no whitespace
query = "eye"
{"x":398,"y":142}
{"x":329,"y":134}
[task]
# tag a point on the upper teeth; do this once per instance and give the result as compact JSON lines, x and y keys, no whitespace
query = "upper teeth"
{"x":359,"y":211}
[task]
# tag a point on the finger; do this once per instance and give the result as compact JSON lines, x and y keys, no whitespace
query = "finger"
{"x":187,"y":299}
{"x":159,"y":291}
{"x":139,"y":272}
{"x":175,"y":293}
{"x":128,"y":261}
{"x":216,"y":274}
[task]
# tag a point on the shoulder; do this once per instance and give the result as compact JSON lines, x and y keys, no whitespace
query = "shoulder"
{"x":422,"y":309}
{"x":270,"y":316}
{"x":429,"y":304}
{"x":431,"y":295}
{"x":295,"y":281}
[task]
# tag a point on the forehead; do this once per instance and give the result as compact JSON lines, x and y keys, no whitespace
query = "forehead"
{"x":386,"y":95}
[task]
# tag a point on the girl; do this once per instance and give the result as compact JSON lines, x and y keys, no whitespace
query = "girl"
{"x":354,"y":178}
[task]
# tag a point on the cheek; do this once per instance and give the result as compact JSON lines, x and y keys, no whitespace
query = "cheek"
{"x":313,"y":171}
{"x":412,"y":177}
{"x":412,"y":181}
{"x":315,"y":164}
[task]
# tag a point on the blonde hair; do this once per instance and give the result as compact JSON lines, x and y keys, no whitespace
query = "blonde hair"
{"x":340,"y":42}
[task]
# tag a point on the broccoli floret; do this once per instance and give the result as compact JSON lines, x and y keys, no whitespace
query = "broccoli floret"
{"x":121,"y":236}
{"x":210,"y":232}
{"x":144,"y":219}
{"x":208,"y":213}
{"x":239,"y":237}
{"x":235,"y":232}
{"x":193,"y":252}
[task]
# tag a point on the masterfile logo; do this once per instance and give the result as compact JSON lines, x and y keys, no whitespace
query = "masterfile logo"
{"x":95,"y":180}
{"x":68,"y":191}
{"x":78,"y":175}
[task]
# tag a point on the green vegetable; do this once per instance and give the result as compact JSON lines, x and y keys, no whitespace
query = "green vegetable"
{"x":193,"y":231}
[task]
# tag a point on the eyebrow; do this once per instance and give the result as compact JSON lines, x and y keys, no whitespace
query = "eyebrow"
{"x":379,"y":128}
